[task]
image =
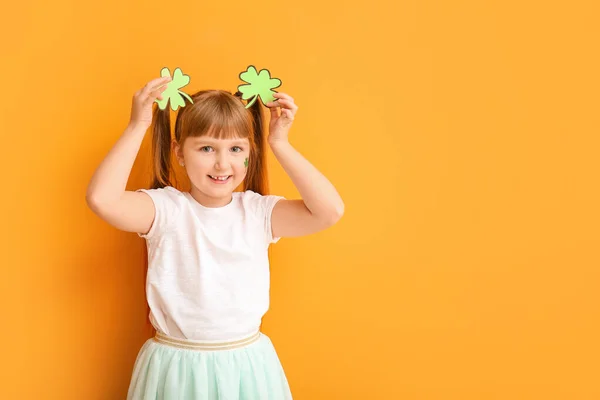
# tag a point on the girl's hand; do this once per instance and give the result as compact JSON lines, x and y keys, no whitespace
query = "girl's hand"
{"x":141,"y":107}
{"x":280,"y":125}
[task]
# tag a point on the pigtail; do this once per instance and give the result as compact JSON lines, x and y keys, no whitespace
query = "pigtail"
{"x":161,"y":148}
{"x":256,"y":178}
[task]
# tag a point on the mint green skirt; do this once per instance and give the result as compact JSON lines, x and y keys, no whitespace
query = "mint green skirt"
{"x":169,"y":369}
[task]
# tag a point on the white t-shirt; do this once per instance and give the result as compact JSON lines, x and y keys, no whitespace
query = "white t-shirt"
{"x":208,"y":268}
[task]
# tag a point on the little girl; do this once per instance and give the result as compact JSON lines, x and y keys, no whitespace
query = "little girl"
{"x":208,"y":269}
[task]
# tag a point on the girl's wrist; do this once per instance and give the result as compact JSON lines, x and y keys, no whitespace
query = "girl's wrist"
{"x":278,"y":142}
{"x":135,"y":126}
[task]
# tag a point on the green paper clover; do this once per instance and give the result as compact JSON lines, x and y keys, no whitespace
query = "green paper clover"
{"x":259,"y":85}
{"x":172,"y":92}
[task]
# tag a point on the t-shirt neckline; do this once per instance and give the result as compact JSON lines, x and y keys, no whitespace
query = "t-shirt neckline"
{"x":211,"y":209}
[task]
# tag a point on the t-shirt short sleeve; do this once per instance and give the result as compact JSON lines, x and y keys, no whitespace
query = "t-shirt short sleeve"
{"x":167,"y":202}
{"x":262,"y":206}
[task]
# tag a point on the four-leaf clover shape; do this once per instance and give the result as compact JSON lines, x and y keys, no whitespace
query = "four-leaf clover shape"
{"x":259,"y":84}
{"x":172,"y":93}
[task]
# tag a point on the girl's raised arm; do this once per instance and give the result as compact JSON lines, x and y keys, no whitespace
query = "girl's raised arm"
{"x":106,"y":194}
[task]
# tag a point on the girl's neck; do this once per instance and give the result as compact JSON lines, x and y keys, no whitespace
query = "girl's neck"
{"x":209,"y":201}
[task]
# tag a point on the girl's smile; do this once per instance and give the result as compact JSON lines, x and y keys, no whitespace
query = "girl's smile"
{"x":220,"y":179}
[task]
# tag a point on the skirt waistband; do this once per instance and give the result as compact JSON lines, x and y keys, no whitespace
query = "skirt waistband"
{"x":201,"y":345}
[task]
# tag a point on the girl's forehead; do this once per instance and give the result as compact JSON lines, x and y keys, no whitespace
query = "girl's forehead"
{"x":218,"y":142}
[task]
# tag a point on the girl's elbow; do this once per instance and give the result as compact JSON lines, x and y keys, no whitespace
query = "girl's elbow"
{"x":336,"y":214}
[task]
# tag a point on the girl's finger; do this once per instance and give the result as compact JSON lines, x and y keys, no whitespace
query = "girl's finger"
{"x":274,"y":112}
{"x":283,"y":103}
{"x":281,"y":95}
{"x":157,"y":94}
{"x":288,"y":114}
{"x":156,"y":83}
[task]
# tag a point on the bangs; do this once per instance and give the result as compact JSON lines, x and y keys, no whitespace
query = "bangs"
{"x":229,"y":131}
{"x":215,"y":114}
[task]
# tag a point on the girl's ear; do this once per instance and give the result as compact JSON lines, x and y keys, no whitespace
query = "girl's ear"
{"x":177,"y":149}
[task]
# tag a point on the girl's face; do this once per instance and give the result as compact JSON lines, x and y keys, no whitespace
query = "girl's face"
{"x":216,"y":167}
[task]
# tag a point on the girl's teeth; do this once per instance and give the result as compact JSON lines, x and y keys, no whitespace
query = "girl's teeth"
{"x":220,"y":178}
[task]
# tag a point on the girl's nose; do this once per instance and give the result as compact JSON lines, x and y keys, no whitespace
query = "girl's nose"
{"x":220,"y":161}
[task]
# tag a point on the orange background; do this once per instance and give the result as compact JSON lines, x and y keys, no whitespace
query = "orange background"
{"x":462,"y":135}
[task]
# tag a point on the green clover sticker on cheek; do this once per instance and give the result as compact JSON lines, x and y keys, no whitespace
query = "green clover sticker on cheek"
{"x":259,"y":84}
{"x":172,"y":93}
{"x":246,"y":162}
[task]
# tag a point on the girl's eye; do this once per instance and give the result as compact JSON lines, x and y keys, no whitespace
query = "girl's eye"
{"x":205,"y":148}
{"x":236,"y":149}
